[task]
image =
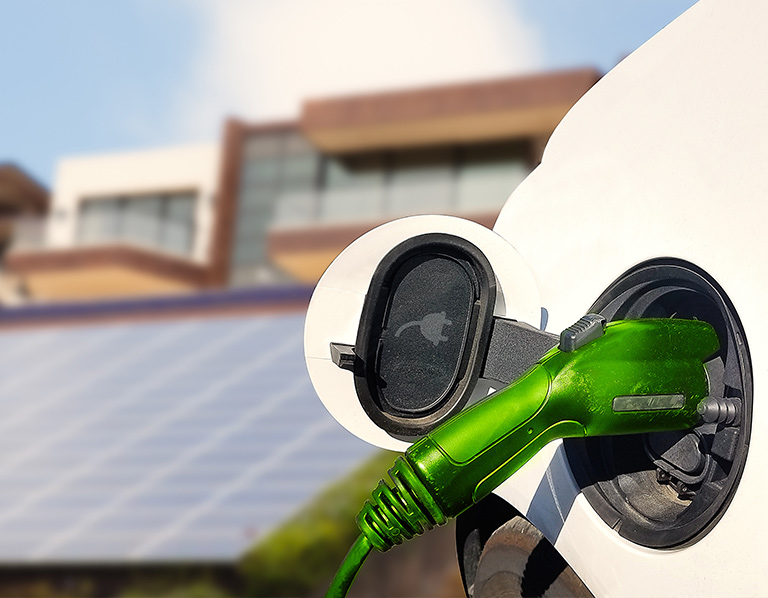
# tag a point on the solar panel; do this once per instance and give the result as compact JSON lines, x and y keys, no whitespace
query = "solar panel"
{"x":159,"y":441}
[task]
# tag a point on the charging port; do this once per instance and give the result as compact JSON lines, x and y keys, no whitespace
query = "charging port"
{"x":664,"y":490}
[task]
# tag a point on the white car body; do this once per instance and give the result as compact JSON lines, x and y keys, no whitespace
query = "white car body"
{"x":665,"y":157}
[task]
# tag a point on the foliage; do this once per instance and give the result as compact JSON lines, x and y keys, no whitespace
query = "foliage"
{"x":174,"y":582}
{"x":303,"y":554}
{"x":195,"y":589}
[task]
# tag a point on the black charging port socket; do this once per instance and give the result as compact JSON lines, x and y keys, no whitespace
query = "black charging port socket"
{"x":668,"y":489}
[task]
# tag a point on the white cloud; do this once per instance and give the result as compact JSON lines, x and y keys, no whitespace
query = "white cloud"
{"x":260,"y":58}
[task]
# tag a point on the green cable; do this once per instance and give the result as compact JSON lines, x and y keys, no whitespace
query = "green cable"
{"x":349,"y":568}
{"x":640,"y":376}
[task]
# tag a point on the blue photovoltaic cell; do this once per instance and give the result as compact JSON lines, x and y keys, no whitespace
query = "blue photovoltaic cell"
{"x":159,"y":441}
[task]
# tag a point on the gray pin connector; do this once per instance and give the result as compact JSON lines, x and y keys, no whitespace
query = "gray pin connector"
{"x":722,"y":411}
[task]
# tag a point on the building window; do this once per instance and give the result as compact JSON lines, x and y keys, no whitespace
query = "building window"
{"x":286,"y":184}
{"x":163,"y":221}
{"x":278,"y":186}
{"x":353,"y":188}
{"x":379,"y":186}
{"x":422,"y":182}
{"x":487,"y":175}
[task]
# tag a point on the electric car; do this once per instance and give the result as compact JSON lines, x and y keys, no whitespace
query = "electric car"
{"x":650,"y":202}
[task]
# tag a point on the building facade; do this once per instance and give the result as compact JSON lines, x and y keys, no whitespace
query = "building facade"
{"x":276,"y":202}
{"x":176,"y":432}
{"x":124,"y":224}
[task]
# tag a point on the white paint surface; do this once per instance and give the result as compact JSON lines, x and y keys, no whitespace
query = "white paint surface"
{"x":336,"y":305}
{"x":665,"y":156}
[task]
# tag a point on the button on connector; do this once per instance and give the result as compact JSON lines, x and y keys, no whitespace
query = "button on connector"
{"x":587,"y":329}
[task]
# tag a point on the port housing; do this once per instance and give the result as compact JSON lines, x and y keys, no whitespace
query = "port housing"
{"x":666,"y":490}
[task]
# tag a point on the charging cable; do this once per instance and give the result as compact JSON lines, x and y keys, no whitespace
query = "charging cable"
{"x":625,"y":377}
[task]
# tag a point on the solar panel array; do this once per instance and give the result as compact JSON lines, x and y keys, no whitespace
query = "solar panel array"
{"x":159,"y":441}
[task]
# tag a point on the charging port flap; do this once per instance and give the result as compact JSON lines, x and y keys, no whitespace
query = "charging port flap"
{"x":423,"y":332}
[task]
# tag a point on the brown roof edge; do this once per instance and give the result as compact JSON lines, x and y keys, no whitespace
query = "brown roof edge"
{"x":28,"y":187}
{"x":448,"y":100}
{"x":166,"y":266}
{"x":225,"y":211}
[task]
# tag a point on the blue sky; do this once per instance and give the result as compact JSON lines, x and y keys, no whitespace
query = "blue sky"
{"x":89,"y":76}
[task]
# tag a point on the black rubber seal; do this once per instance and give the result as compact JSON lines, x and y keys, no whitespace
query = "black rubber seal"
{"x":408,"y":398}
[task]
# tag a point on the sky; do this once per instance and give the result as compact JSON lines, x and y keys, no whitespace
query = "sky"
{"x":89,"y":76}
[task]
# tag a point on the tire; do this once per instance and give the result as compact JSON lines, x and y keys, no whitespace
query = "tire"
{"x":517,"y":560}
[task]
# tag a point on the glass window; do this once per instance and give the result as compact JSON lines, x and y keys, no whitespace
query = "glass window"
{"x":349,"y":204}
{"x":253,"y":221}
{"x":286,"y":183}
{"x":177,"y":237}
{"x":422,"y":182}
{"x":162,"y":221}
{"x":354,"y":188}
{"x":250,"y":251}
{"x":261,"y":171}
{"x":302,"y":168}
{"x":141,"y":220}
{"x":179,"y":223}
{"x":99,"y":220}
{"x":296,"y":207}
{"x":260,"y":212}
{"x":181,"y":208}
{"x":487,"y":176}
{"x":257,"y":196}
{"x":278,"y":185}
{"x":296,"y":203}
{"x":355,"y":171}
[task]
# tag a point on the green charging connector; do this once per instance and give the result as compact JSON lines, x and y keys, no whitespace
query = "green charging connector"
{"x":631,"y":377}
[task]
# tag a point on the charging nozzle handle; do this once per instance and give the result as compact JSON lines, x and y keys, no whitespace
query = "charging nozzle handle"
{"x":640,"y":376}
